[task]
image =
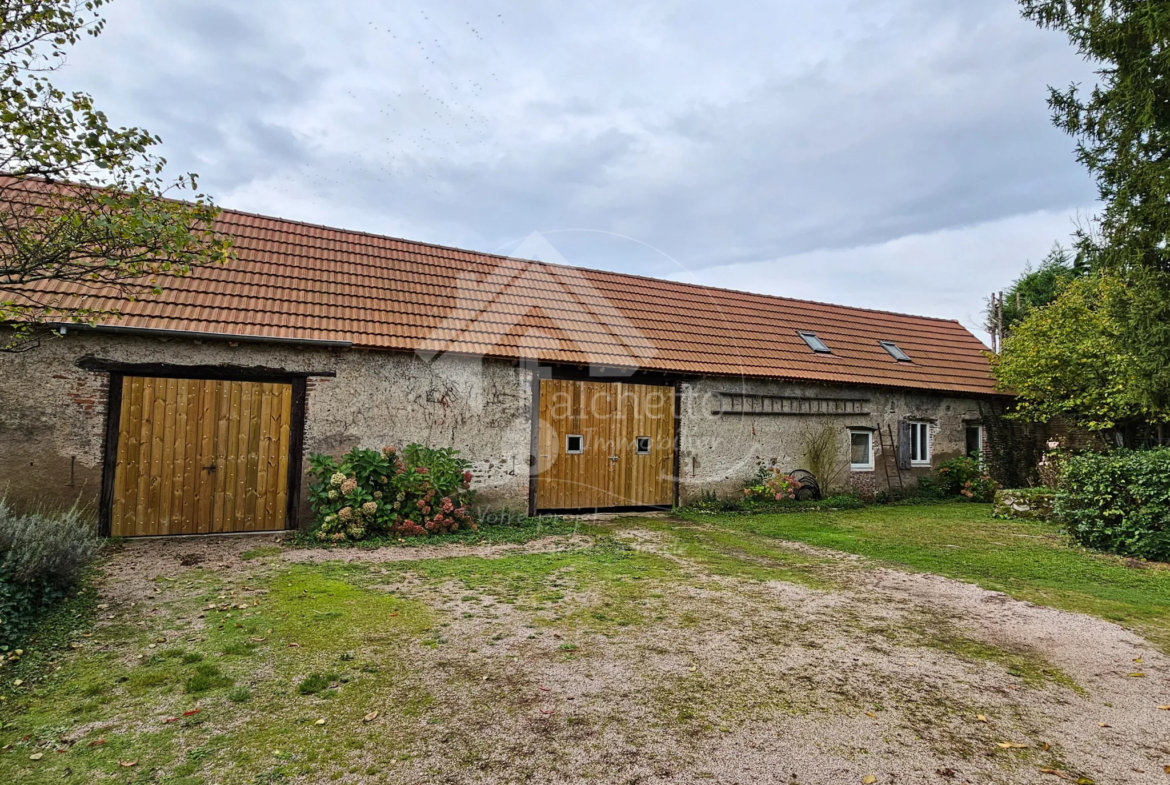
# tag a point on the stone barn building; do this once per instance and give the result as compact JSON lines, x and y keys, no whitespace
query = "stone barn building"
{"x":194,"y":411}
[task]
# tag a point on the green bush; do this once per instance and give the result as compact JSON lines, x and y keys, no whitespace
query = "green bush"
{"x":415,"y":492}
{"x":960,"y":477}
{"x":42,"y":558}
{"x":1118,"y":502}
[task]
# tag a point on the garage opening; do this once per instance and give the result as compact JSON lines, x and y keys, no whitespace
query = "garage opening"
{"x":199,"y":456}
{"x":604,"y":445}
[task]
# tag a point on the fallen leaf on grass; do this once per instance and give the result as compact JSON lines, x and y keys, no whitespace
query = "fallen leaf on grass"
{"x":97,"y":742}
{"x":294,"y":645}
{"x":36,"y":756}
{"x":127,"y":763}
{"x":1164,"y":708}
{"x":320,"y":722}
{"x":871,"y":714}
{"x":547,"y":711}
{"x":1166,"y":769}
{"x":869,"y":779}
{"x":544,"y":689}
{"x":373,"y":715}
{"x":1136,"y":675}
{"x":1056,"y":773}
{"x":169,"y":720}
{"x":1104,"y":725}
{"x":1012,"y":745}
{"x":981,"y":718}
{"x":192,"y":712}
{"x":258,"y":640}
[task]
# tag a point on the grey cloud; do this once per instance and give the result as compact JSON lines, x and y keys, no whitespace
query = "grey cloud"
{"x":719,"y":134}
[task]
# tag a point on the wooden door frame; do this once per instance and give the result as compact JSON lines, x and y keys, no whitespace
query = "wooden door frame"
{"x":652,"y":379}
{"x":118,"y":371}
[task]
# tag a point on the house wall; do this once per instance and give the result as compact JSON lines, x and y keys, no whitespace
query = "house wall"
{"x":52,"y":413}
{"x":719,"y":452}
{"x":52,"y":417}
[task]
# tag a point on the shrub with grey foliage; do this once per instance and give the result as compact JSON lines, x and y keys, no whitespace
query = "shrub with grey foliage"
{"x":42,"y":558}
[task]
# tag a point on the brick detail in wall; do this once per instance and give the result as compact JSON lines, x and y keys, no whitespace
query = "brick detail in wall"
{"x":89,"y":391}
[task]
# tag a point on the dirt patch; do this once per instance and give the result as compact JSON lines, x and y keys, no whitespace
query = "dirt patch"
{"x":908,"y":678}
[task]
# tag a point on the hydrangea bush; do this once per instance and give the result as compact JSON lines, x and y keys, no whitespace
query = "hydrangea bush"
{"x":413,"y":492}
{"x":772,"y":484}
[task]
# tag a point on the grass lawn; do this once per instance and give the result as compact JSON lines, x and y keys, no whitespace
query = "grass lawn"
{"x":649,"y":650}
{"x":1029,"y":560}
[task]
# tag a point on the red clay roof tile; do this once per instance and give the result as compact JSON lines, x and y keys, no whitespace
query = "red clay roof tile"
{"x":294,"y":280}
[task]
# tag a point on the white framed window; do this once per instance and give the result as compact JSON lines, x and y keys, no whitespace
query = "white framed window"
{"x":574,"y":444}
{"x":920,"y":444}
{"x":861,"y":451}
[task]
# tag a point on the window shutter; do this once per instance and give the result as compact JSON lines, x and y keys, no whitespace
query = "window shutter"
{"x":904,"y":439}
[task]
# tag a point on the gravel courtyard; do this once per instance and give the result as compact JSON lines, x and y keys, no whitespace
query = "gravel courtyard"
{"x":655,"y":651}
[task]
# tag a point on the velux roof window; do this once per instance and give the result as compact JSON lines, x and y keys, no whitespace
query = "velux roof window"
{"x":895,"y":352}
{"x":815,"y":343}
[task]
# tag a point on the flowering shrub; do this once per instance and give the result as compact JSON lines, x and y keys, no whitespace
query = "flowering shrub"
{"x":963,"y":477}
{"x":409,"y":493}
{"x":772,"y":484}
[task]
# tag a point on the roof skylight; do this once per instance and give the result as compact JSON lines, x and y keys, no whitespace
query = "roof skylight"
{"x":815,"y":343}
{"x":895,"y":351}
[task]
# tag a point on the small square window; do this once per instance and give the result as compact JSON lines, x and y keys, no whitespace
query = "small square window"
{"x":815,"y":343}
{"x":895,"y":351}
{"x":861,"y":451}
{"x":643,"y":445}
{"x":574,"y":444}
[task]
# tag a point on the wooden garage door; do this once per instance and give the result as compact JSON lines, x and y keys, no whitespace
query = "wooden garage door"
{"x":199,"y":457}
{"x":613,"y":421}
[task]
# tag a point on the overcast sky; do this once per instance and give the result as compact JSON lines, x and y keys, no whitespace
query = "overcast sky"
{"x":892,"y":154}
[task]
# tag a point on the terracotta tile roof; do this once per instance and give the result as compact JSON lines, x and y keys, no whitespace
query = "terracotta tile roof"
{"x":297,"y":281}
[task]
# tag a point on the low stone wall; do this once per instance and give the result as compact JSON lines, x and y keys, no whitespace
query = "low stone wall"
{"x":1029,"y":504}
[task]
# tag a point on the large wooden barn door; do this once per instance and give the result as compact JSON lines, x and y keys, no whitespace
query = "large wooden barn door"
{"x":198,"y":457}
{"x":603,"y":444}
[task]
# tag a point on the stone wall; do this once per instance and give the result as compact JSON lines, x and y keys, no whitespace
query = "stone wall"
{"x":52,"y":413}
{"x":719,"y":452}
{"x":52,"y":417}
